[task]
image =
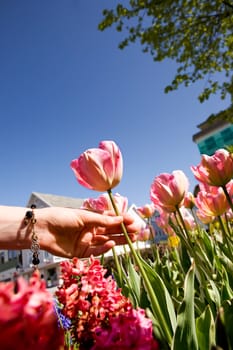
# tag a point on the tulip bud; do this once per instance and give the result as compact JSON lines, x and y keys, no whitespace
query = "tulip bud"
{"x":99,"y":169}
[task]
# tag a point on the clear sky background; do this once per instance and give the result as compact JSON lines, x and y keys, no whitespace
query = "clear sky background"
{"x":65,"y":86}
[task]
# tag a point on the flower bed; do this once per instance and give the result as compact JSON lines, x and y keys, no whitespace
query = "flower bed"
{"x":180,"y":297}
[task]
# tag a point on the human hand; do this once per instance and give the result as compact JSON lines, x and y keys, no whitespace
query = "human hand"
{"x":70,"y":232}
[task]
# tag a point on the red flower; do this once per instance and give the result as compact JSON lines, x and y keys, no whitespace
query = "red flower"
{"x":27,"y":317}
{"x":88,"y":298}
{"x":128,"y":330}
{"x":97,"y":307}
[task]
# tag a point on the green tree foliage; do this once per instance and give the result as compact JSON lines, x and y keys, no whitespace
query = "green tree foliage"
{"x":197,"y":34}
{"x":226,"y":115}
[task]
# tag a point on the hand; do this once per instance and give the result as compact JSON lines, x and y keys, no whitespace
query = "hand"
{"x":76,"y":232}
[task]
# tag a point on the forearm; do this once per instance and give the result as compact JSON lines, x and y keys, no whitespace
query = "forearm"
{"x":14,"y":234}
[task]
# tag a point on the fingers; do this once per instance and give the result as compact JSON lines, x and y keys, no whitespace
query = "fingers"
{"x":103,"y":220}
{"x":108,"y":221}
{"x":113,"y":223}
{"x":117,"y":239}
{"x":132,"y":225}
{"x":99,"y":249}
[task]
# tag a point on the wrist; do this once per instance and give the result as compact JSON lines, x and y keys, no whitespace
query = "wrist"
{"x":13,"y":231}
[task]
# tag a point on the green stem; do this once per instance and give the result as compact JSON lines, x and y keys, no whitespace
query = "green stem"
{"x":225,"y":236}
{"x":193,"y":253}
{"x":228,"y":197}
{"x":154,"y":302}
{"x":196,"y":222}
{"x":228,"y":228}
{"x":118,"y":266}
{"x":182,"y":222}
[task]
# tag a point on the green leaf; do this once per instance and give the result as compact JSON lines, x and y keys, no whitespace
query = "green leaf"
{"x":227,"y":292}
{"x":134,"y":282}
{"x":162,"y":295}
{"x":223,"y":329}
{"x":228,"y":319}
{"x":213,"y":294}
{"x":185,"y":335}
{"x":205,"y":327}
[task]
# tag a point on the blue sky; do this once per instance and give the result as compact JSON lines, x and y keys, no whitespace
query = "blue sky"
{"x":65,"y":86}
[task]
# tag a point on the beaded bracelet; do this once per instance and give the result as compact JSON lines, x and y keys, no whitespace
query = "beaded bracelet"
{"x":35,"y":246}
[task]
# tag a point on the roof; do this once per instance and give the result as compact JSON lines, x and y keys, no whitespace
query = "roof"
{"x":208,"y":129}
{"x":52,"y":200}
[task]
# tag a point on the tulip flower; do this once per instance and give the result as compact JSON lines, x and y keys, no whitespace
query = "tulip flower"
{"x":147,"y":210}
{"x":102,"y":204}
{"x":145,"y":233}
{"x":99,"y":169}
{"x":229,"y":188}
{"x":168,"y":190}
{"x":189,"y":202}
{"x":162,"y":221}
{"x":212,"y":203}
{"x":188,"y":218}
{"x":204,"y":218}
{"x":215,"y":170}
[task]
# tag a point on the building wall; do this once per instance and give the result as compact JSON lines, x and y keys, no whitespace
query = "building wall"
{"x":217,"y":140}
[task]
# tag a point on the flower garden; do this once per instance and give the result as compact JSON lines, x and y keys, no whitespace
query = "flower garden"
{"x":179,"y":296}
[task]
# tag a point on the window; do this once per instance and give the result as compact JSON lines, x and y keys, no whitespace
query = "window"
{"x":210,"y":142}
{"x":12,"y":254}
{"x":227,"y":135}
{"x":2,"y":258}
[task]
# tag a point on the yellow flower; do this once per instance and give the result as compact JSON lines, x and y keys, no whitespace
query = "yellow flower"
{"x":173,"y":241}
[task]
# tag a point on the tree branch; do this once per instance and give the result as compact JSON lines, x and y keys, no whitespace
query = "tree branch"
{"x":228,"y":4}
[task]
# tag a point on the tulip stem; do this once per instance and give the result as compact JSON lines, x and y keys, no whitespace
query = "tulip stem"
{"x":225,"y":236}
{"x":229,"y":199}
{"x":192,"y":251}
{"x":151,"y":293}
{"x":117,"y":263}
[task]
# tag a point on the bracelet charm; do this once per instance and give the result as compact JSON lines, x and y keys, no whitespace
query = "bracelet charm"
{"x":35,"y":246}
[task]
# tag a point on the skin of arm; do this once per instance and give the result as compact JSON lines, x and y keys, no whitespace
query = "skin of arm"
{"x":64,"y":232}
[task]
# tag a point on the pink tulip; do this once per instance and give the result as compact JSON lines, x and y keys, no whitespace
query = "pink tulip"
{"x":229,"y":215}
{"x":165,"y":218}
{"x":98,"y":205}
{"x":145,"y":233}
{"x":162,"y":221}
{"x":189,"y":202}
{"x":205,"y":219}
{"x":147,"y":210}
{"x":99,"y":169}
{"x":103,"y":205}
{"x":229,"y":188}
{"x":212,"y":203}
{"x":188,"y":218}
{"x":215,"y":170}
{"x":168,"y":190}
